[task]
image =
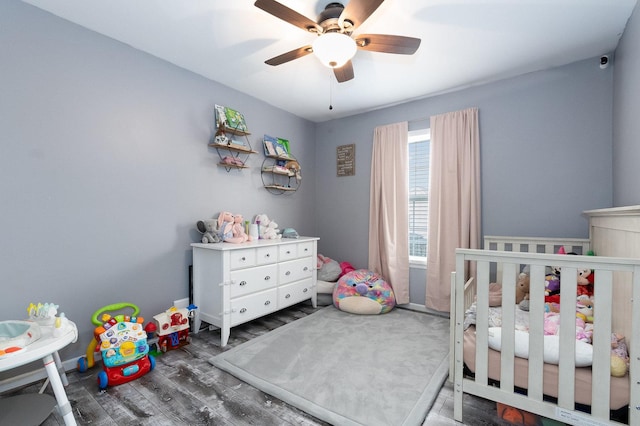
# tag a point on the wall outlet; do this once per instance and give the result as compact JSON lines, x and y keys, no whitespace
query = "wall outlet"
{"x":182,"y":303}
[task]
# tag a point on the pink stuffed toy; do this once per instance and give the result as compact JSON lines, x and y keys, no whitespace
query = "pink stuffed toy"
{"x":239,"y":234}
{"x":346,"y":267}
{"x":226,"y":223}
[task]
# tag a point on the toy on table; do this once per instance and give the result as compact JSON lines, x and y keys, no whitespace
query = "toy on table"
{"x":122,"y":343}
{"x":172,"y":327}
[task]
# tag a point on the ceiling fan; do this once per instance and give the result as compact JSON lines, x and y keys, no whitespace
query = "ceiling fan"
{"x":335,"y":45}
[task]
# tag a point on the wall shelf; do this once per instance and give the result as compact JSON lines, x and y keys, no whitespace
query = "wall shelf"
{"x":278,"y":179}
{"x":233,"y":152}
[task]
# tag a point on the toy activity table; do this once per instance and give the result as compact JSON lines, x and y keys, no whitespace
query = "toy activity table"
{"x":46,"y":348}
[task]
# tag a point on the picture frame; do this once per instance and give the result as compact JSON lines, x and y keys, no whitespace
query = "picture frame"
{"x":346,"y":160}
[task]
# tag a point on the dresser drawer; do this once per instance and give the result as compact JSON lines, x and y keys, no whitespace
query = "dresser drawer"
{"x":291,"y":294}
{"x":245,"y":281}
{"x":246,"y":308}
{"x":305,"y":249}
{"x":243,"y":258}
{"x":287,"y":252}
{"x":295,"y":270}
{"x":265,"y":255}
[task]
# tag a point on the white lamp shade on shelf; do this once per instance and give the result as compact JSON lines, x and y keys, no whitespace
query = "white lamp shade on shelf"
{"x":334,"y":49}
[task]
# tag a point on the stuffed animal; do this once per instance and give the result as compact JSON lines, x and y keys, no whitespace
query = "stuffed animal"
{"x":209,"y":230}
{"x":346,"y":267}
{"x":363,"y":292}
{"x":619,"y":355}
{"x":585,"y":282}
{"x":327,"y":269}
{"x":225,"y":225}
{"x":221,"y":138}
{"x":584,"y":308}
{"x":267,"y":229}
{"x":522,"y":288}
{"x":584,"y":319}
{"x":294,"y":169}
{"x":239,"y":233}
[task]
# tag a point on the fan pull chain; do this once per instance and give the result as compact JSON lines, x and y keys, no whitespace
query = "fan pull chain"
{"x":330,"y":93}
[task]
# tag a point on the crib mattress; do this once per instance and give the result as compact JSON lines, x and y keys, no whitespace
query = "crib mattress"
{"x":619,"y":385}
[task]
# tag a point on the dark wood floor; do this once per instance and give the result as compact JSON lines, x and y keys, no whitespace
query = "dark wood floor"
{"x":184,"y":389}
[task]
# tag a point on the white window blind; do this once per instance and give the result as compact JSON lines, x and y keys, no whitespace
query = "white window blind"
{"x":419,"y":148}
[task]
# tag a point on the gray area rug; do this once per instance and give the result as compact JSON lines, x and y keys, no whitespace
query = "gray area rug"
{"x":349,"y":369}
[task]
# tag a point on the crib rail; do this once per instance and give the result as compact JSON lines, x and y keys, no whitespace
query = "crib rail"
{"x":535,"y":245}
{"x":605,"y":270}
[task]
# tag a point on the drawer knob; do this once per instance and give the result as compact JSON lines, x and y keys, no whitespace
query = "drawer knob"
{"x":243,"y":283}
{"x":305,"y":269}
{"x":306,"y":250}
{"x":305,"y":290}
{"x":267,"y":278}
{"x":268,"y":302}
{"x":288,"y":273}
{"x":288,"y":252}
{"x":267,"y":255}
{"x":243,"y":258}
{"x":243,"y":310}
{"x":287,"y":296}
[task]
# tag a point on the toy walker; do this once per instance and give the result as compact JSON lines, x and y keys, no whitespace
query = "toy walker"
{"x":122,"y":342}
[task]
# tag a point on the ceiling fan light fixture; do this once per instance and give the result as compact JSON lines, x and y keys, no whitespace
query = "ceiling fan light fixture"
{"x":334,"y":49}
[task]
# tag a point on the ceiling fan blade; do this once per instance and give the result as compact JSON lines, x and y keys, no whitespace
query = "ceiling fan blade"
{"x":288,"y":15}
{"x":388,"y":43}
{"x":344,"y":73}
{"x":357,"y":11}
{"x":289,"y":56}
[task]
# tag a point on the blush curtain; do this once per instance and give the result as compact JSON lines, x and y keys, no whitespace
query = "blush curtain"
{"x":389,"y":208}
{"x":454,"y":199}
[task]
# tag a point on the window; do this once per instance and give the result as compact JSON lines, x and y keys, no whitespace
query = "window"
{"x":419,"y":148}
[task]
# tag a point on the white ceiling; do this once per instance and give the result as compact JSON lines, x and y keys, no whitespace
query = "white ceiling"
{"x":464,"y":43}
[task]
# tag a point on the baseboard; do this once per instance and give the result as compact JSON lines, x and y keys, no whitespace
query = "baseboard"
{"x":422,"y":308}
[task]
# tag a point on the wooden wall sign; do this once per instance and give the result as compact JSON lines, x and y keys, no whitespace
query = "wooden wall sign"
{"x":346,"y":160}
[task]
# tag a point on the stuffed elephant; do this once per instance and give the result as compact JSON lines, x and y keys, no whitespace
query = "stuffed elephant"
{"x":209,"y":230}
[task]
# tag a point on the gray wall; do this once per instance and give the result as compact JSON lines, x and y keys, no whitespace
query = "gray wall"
{"x":545,"y":150}
{"x":626,"y":111}
{"x":104,"y":169}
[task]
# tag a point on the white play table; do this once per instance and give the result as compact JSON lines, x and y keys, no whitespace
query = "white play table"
{"x":46,"y":348}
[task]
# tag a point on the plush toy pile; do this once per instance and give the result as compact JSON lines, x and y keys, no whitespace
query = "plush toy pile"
{"x":363,"y":292}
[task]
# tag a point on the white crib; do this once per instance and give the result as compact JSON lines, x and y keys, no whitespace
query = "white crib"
{"x":501,"y":260}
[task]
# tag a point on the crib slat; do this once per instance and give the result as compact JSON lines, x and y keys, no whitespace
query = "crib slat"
{"x":508,"y":322}
{"x":601,"y":369}
{"x":536,"y":331}
{"x":634,"y":349}
{"x":567,"y":333}
{"x":482,"y":323}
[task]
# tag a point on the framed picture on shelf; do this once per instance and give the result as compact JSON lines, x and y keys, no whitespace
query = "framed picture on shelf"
{"x":269,"y":145}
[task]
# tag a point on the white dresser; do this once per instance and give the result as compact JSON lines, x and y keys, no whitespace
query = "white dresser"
{"x":236,"y":283}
